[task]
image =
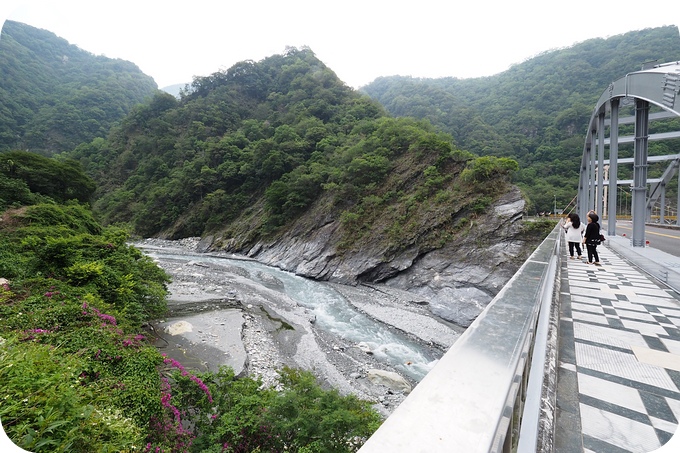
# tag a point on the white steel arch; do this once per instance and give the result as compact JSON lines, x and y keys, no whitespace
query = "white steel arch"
{"x":659,"y":86}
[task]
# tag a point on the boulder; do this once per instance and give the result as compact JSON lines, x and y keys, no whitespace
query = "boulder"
{"x":389,"y":379}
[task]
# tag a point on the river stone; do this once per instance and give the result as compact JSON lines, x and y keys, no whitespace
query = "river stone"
{"x":179,"y":328}
{"x":510,"y":209}
{"x":364,"y":347}
{"x":270,"y":281}
{"x":205,"y":243}
{"x":206,"y":340}
{"x":390,"y":380}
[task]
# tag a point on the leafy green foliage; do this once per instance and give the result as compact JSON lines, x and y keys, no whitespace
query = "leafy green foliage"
{"x":61,"y":180}
{"x":54,"y":96}
{"x":77,"y":374}
{"x":537,"y":111}
{"x":241,"y":416}
{"x":16,"y":191}
{"x":65,"y":243}
{"x":281,"y":132}
{"x":252,"y":149}
{"x":48,"y":407}
{"x":485,"y":169}
{"x":539,"y":228}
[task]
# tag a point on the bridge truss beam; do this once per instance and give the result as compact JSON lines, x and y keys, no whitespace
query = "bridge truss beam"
{"x":658,"y":86}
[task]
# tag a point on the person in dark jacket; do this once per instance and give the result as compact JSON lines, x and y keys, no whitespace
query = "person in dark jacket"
{"x":591,"y":238}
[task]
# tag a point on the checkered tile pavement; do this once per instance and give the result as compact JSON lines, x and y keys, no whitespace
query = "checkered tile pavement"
{"x":619,"y":370}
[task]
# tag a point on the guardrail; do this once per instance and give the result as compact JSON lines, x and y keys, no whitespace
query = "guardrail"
{"x":493,"y":391}
{"x":664,"y":268}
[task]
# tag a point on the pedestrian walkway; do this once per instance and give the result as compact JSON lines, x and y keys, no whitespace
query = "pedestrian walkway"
{"x":619,"y":370}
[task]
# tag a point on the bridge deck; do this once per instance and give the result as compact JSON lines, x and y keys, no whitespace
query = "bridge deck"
{"x":619,"y":370}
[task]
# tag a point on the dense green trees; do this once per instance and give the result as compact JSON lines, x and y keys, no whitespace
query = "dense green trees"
{"x":261,"y":144}
{"x":54,"y":96}
{"x":537,"y":111}
{"x":25,"y":177}
{"x":276,"y":135}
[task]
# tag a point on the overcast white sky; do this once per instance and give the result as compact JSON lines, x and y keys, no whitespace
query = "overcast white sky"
{"x":358,"y":39}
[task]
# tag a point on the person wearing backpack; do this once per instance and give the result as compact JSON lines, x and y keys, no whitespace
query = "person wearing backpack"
{"x":591,"y":238}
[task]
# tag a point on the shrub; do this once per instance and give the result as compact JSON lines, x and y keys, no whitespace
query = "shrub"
{"x":77,"y":375}
{"x":47,"y":409}
{"x":241,"y":416}
{"x":489,"y":167}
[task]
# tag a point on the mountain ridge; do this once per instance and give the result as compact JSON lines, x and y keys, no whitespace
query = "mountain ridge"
{"x":54,"y":95}
{"x":535,"y":112}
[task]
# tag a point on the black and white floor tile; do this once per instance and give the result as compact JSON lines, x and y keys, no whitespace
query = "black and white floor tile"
{"x":625,"y":357}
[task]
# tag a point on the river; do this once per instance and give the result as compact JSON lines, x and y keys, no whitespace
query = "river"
{"x":331,"y":311}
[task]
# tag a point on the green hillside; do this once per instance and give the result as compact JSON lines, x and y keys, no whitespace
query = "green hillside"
{"x":247,"y":151}
{"x":54,"y":96}
{"x":535,"y":112}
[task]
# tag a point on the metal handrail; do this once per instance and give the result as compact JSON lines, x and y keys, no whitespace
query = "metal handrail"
{"x":473,"y":400}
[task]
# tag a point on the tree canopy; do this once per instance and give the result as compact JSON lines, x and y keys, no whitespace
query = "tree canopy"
{"x":25,"y":177}
{"x":54,"y":96}
{"x":537,"y":111}
{"x":256,"y":146}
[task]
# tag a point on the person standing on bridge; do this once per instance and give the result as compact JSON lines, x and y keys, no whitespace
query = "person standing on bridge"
{"x":574,"y":229}
{"x":592,"y":238}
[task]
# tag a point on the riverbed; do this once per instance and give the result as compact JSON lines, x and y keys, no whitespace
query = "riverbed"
{"x":230,"y":310}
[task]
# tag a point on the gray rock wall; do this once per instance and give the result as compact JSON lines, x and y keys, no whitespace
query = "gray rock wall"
{"x":457,"y":280}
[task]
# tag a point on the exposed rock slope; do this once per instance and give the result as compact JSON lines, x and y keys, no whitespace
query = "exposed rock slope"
{"x":458,"y":279}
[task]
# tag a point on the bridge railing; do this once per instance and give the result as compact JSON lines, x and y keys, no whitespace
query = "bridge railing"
{"x":490,"y":391}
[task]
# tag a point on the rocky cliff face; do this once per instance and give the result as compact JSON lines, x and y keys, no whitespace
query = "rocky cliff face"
{"x":457,"y":280}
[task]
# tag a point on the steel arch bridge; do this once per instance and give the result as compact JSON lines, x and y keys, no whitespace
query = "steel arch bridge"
{"x":658,"y":89}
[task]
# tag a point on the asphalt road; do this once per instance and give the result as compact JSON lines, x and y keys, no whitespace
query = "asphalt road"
{"x":665,"y":239}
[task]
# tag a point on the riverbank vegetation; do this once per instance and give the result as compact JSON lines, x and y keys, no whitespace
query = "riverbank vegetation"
{"x":79,"y":374}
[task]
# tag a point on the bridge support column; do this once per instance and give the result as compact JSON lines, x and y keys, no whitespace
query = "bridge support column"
{"x":585,"y":180}
{"x":599,"y":200}
{"x":613,"y":166}
{"x":662,"y":220}
{"x":639,"y":201}
{"x":591,"y":176}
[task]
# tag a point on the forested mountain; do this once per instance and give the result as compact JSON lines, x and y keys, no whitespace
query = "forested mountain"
{"x":54,"y":96}
{"x":537,"y":111}
{"x":252,"y":148}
